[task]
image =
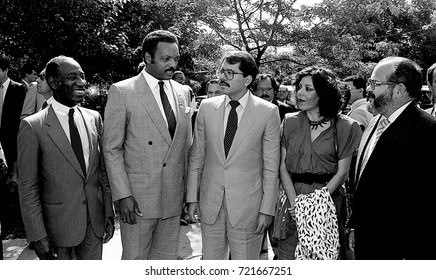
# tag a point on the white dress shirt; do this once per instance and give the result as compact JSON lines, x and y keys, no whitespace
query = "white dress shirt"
{"x":62,"y":114}
{"x":153,"y":83}
{"x":239,"y":110}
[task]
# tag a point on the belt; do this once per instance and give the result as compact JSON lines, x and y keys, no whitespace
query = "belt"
{"x":310,"y":178}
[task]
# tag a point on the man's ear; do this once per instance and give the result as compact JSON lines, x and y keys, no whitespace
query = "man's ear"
{"x":248,"y":80}
{"x":53,"y":83}
{"x":147,"y":58}
{"x":400,"y":91}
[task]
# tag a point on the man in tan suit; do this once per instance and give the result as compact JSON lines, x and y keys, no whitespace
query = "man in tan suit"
{"x":234,"y":164}
{"x":64,"y":195}
{"x":145,"y":144}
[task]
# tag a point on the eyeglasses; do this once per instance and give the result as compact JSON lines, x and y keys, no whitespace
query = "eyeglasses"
{"x":264,"y":90}
{"x":228,"y":74}
{"x":373,"y":83}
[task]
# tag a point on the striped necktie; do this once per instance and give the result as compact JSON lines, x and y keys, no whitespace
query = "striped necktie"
{"x":381,"y":127}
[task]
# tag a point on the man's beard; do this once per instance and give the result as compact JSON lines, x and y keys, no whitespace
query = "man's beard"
{"x":383,"y":101}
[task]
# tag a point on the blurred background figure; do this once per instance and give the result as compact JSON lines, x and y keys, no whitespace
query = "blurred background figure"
{"x":358,"y":102}
{"x":179,"y":77}
{"x":213,"y":88}
{"x":267,"y":87}
{"x":431,"y":82}
{"x":29,"y":75}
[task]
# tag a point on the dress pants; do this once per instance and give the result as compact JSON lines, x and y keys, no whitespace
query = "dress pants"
{"x":91,"y":248}
{"x":218,"y":238}
{"x":151,"y":239}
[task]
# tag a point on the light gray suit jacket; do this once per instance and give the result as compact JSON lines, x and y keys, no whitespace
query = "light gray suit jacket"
{"x":141,"y":158}
{"x":54,"y":194}
{"x":248,"y":178}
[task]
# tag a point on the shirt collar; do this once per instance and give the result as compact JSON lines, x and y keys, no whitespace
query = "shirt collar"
{"x":6,"y":83}
{"x":397,"y":113}
{"x":61,"y":109}
{"x":242,"y":101}
{"x":26,"y":83}
{"x":153,"y":82}
{"x":50,"y":100}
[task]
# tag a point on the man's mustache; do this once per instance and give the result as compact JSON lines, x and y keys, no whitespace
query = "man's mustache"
{"x":224,"y":84}
{"x":264,"y":96}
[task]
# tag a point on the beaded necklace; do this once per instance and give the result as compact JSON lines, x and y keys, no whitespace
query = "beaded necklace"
{"x":314,"y":124}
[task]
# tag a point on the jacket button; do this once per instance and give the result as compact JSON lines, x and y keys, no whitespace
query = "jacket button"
{"x":150,"y":143}
{"x":165,"y":164}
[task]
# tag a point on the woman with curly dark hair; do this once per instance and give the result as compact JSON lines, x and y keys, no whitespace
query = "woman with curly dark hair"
{"x":317,"y":145}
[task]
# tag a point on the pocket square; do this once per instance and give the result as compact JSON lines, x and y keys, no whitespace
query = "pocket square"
{"x":188,"y":110}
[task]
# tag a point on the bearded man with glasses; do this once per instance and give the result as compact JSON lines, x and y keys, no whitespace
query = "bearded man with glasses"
{"x":394,"y":184}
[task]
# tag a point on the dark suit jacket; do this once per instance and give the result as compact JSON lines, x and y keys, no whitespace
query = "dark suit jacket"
{"x":56,"y":198}
{"x":283,"y":108}
{"x":394,"y":201}
{"x":12,"y":107}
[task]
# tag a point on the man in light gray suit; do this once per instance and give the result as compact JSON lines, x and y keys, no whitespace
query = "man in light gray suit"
{"x":233,"y":164}
{"x":65,"y":199}
{"x":145,"y":144}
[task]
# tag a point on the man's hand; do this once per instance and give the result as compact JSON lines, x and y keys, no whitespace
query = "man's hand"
{"x":351,"y":240}
{"x":263,"y":221}
{"x":44,"y":249}
{"x":128,"y":210}
{"x":109,"y":229}
{"x":194,"y":212}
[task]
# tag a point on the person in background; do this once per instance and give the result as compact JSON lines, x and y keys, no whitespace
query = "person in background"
{"x":392,"y":168}
{"x":213,"y":88}
{"x":283,"y":94}
{"x":179,"y":77}
{"x":359,"y":104}
{"x":146,"y":141}
{"x":12,"y":95}
{"x":29,"y":75}
{"x":431,"y":82}
{"x":38,"y":96}
{"x":316,"y":148}
{"x":233,"y":164}
{"x":64,"y":194}
{"x":266,"y":87}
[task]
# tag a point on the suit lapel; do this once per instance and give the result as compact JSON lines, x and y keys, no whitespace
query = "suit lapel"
{"x":366,"y":137}
{"x":218,"y":122}
{"x":57,"y":134}
{"x":143,"y":93}
{"x":244,"y":126}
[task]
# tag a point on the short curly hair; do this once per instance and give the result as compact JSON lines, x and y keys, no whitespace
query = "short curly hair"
{"x":325,"y":84}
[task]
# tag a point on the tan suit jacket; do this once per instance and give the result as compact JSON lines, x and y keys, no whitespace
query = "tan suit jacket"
{"x":248,"y":178}
{"x":33,"y":101}
{"x":55,"y":196}
{"x":141,"y":158}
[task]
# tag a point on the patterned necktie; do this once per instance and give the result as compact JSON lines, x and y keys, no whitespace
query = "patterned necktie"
{"x":232,"y":126}
{"x":383,"y":123}
{"x":171,"y":119}
{"x":76,"y":142}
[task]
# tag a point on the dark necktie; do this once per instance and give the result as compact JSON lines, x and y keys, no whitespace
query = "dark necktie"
{"x":76,"y":143}
{"x":171,"y":119}
{"x":232,"y":126}
{"x":44,"y":105}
